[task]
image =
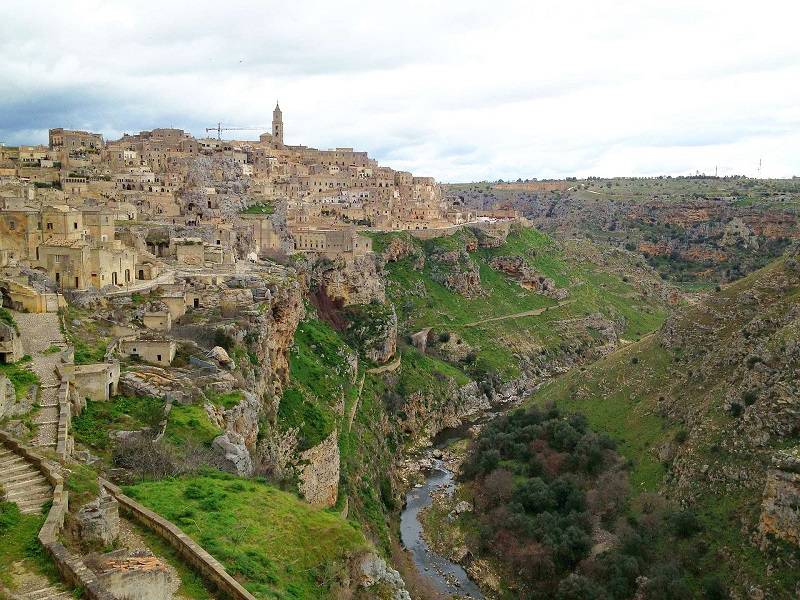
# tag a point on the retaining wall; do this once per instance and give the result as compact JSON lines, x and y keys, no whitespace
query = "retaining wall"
{"x":190,"y":551}
{"x":71,"y":568}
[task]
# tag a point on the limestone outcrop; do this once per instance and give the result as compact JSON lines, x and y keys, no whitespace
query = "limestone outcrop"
{"x":236,"y":456}
{"x":456,"y":271}
{"x":516,"y":268}
{"x":347,"y":282}
{"x":379,"y":578}
{"x":373,"y":330}
{"x":319,"y":472}
{"x":779,"y":508}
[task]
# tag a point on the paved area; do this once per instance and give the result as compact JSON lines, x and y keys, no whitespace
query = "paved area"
{"x":40,"y":331}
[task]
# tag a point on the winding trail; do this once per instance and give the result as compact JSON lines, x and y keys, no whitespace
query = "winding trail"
{"x":528,"y":313}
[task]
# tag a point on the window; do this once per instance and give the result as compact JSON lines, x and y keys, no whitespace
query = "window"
{"x":12,"y":225}
{"x":74,"y":225}
{"x":50,"y":226}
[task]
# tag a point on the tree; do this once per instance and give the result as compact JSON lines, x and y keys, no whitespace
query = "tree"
{"x":577,"y":587}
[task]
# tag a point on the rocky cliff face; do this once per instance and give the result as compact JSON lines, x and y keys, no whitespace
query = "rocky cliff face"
{"x":779,"y":508}
{"x":372,"y":329}
{"x":318,"y":472}
{"x":457,"y":272}
{"x":350,"y":282}
{"x":516,"y":268}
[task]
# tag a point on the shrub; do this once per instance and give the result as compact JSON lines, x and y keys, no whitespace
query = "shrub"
{"x":681,"y":436}
{"x":713,"y":588}
{"x":736,"y":409}
{"x":685,"y":523}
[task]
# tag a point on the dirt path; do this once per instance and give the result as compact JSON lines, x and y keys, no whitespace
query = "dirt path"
{"x":40,"y":331}
{"x":392,"y":366}
{"x":528,"y":313}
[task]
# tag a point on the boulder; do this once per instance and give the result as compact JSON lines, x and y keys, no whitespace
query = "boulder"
{"x":373,"y":571}
{"x":219,"y":354}
{"x":98,"y":521}
{"x":236,"y":457}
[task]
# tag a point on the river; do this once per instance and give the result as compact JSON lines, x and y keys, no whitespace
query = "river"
{"x":445,"y":575}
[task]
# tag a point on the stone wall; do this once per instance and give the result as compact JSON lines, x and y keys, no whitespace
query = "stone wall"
{"x":64,"y":443}
{"x":211,"y":570}
{"x":71,"y":567}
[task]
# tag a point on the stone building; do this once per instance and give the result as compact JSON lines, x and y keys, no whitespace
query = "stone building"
{"x":97,"y":381}
{"x":70,"y":140}
{"x":158,"y":320}
{"x":159,"y":351}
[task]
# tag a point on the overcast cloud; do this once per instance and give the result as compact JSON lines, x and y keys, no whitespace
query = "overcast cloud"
{"x":460,"y":90}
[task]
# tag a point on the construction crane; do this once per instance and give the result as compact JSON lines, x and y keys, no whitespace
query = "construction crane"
{"x":219,"y":129}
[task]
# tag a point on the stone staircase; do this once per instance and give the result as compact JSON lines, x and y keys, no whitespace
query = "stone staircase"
{"x":49,"y":593}
{"x":23,"y":483}
{"x":40,"y":332}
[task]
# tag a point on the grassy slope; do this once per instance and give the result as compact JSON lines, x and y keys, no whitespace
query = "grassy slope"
{"x":320,"y":378}
{"x":621,"y":395}
{"x":19,"y":543}
{"x":277,"y":545}
{"x":591,"y":290}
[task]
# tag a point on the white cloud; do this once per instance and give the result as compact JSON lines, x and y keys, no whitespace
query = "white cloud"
{"x":460,"y":90}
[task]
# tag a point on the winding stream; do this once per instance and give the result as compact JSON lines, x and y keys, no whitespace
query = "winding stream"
{"x":447,"y":576}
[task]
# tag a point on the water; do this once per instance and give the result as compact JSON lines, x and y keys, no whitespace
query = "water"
{"x":447,"y":576}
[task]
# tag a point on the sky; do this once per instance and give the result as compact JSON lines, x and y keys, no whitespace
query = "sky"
{"x":458,"y":90}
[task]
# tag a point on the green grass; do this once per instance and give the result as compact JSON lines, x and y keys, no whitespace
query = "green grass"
{"x":320,"y":376}
{"x":7,"y":318}
{"x":52,"y":349}
{"x":226,"y":400}
{"x":87,"y":354}
{"x":90,"y":339}
{"x":21,"y":376}
{"x":259,"y":208}
{"x":19,"y":543}
{"x":275,"y":544}
{"x":315,"y":420}
{"x":81,"y":483}
{"x":591,"y":290}
{"x":190,"y":423}
{"x":98,"y":419}
{"x":424,"y":373}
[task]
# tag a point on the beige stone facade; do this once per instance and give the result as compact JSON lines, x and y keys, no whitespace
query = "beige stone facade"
{"x":153,"y":350}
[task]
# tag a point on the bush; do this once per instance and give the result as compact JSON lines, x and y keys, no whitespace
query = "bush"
{"x":685,"y":523}
{"x":713,"y":588}
{"x":736,"y":409}
{"x":681,"y":436}
{"x":577,"y":587}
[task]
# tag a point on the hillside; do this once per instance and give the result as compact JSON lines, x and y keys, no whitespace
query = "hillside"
{"x":695,"y":231}
{"x":706,"y":410}
{"x":489,"y":293}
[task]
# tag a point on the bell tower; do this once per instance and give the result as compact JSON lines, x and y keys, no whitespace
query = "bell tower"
{"x":277,"y":125}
